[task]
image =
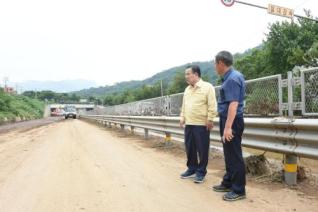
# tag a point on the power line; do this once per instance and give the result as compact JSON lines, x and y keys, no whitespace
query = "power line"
{"x":266,"y":8}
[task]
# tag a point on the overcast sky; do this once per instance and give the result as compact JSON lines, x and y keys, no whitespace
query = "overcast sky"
{"x":111,"y":41}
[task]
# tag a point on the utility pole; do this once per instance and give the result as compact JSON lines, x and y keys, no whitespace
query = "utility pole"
{"x":161,"y":87}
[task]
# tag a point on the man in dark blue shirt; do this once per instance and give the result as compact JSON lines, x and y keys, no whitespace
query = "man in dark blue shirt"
{"x":230,"y":109}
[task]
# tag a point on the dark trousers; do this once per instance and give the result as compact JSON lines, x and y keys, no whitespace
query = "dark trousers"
{"x":197,"y":144}
{"x":234,"y":177}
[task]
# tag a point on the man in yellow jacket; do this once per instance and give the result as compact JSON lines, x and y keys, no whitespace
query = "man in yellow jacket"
{"x":199,"y":108}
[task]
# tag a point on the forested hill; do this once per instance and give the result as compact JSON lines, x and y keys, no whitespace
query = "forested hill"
{"x":167,"y":76}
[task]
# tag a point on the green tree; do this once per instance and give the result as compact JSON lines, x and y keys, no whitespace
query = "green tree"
{"x":179,"y":83}
{"x":288,"y":44}
{"x":311,"y":56}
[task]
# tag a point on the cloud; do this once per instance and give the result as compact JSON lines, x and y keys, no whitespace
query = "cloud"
{"x":112,"y":41}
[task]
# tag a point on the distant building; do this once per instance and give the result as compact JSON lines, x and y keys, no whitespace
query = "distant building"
{"x":83,"y":100}
{"x":9,"y":90}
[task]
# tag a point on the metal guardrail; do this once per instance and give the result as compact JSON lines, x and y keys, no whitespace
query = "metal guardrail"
{"x":291,"y":137}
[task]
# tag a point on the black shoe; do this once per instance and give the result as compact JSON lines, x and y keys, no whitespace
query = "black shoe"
{"x":221,"y":188}
{"x":187,"y":174}
{"x":199,"y":179}
{"x":232,"y":196}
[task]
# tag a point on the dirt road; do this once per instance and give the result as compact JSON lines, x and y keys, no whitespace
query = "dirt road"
{"x":27,"y":125}
{"x":76,"y":166}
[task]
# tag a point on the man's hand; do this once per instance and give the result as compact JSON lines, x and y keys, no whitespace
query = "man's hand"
{"x":182,"y":122}
{"x":227,"y":135}
{"x":209,"y":125}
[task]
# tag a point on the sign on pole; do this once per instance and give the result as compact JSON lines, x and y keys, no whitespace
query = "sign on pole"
{"x":228,"y":3}
{"x":271,"y":9}
{"x":281,"y":11}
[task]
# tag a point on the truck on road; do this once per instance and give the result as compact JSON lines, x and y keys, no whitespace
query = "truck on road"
{"x":70,"y":112}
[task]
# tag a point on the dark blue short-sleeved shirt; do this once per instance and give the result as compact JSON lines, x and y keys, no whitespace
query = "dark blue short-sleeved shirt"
{"x":232,"y":89}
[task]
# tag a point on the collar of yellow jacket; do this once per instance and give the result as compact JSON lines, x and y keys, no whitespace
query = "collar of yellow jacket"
{"x":198,"y":84}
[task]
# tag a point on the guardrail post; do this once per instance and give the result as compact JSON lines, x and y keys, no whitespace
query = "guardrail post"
{"x":290,"y":169}
{"x":122,"y":127}
{"x":109,"y":125}
{"x":146,"y":134}
{"x":132,"y":129}
{"x":290,"y":162}
{"x":168,"y":138}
